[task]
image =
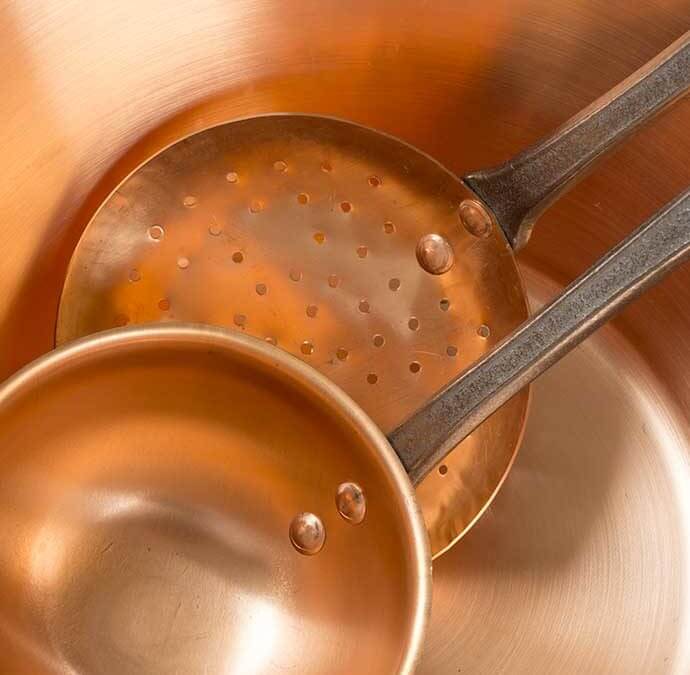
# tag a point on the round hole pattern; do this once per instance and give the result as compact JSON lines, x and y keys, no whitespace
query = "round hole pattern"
{"x":295,"y":275}
{"x":303,"y":198}
{"x":261,"y":289}
{"x":280,"y":166}
{"x":342,"y":353}
{"x":121,"y":320}
{"x":443,"y":469}
{"x":379,"y":340}
{"x":319,"y":237}
{"x":413,"y":323}
{"x":271,"y":340}
{"x":134,"y":275}
{"x":345,"y":207}
{"x":214,"y":229}
{"x":326,"y":166}
{"x":364,"y":306}
{"x":362,"y":251}
{"x":256,"y":205}
{"x":164,"y":304}
{"x":394,"y":284}
{"x":452,"y":350}
{"x":239,"y":320}
{"x":483,"y":331}
{"x":333,"y":281}
{"x":388,"y":227}
{"x":312,"y":311}
{"x":374,"y":181}
{"x":237,"y":257}
{"x":444,"y":304}
{"x":415,"y":367}
{"x":231,"y":177}
{"x":372,"y":378}
{"x":307,"y":347}
{"x":183,"y":262}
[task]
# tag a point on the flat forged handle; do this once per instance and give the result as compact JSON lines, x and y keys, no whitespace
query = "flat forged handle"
{"x":518,"y":191}
{"x":626,"y":271}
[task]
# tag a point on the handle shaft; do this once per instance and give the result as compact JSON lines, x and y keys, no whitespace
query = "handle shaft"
{"x":518,"y":191}
{"x":637,"y":263}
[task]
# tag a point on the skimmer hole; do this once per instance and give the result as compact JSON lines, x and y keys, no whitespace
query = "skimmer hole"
{"x":239,"y":320}
{"x":443,"y":469}
{"x":312,"y":311}
{"x":164,"y":304}
{"x":362,"y":251}
{"x":483,"y":331}
{"x":190,"y":201}
{"x":333,"y":280}
{"x":364,"y":306}
{"x":156,"y":232}
{"x":374,"y":181}
{"x":345,"y":207}
{"x":394,"y":284}
{"x":413,"y":323}
{"x":415,"y":367}
{"x":303,"y":198}
{"x":444,"y":304}
{"x":319,"y":237}
{"x":261,"y":289}
{"x":237,"y":257}
{"x":379,"y":340}
{"x":307,"y":347}
{"x":388,"y":227}
{"x":372,"y":378}
{"x":295,"y":275}
{"x":341,"y":353}
{"x":280,"y":166}
{"x":452,"y":350}
{"x":231,"y":176}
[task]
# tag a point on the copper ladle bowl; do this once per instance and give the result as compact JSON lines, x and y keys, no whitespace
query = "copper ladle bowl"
{"x":149,"y":480}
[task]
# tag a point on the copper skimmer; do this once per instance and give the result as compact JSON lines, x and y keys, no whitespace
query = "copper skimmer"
{"x":353,"y":251}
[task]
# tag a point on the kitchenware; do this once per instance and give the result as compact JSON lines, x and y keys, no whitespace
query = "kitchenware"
{"x":586,"y":540}
{"x":303,"y":230}
{"x":182,"y":498}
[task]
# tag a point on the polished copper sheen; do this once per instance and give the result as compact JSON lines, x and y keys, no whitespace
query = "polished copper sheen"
{"x":151,"y":486}
{"x":581,"y":563}
{"x":342,"y":246}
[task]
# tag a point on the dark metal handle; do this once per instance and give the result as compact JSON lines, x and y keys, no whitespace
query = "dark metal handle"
{"x":518,"y":191}
{"x":634,"y":265}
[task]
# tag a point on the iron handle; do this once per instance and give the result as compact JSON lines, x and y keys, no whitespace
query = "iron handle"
{"x":518,"y":191}
{"x":635,"y":264}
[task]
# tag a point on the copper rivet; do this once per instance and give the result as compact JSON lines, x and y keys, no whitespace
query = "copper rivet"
{"x":435,"y":254}
{"x":307,"y":533}
{"x":351,"y":503}
{"x":475,"y":218}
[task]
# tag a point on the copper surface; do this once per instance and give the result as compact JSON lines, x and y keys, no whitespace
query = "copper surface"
{"x":149,"y":485}
{"x":582,"y":562}
{"x":342,"y":246}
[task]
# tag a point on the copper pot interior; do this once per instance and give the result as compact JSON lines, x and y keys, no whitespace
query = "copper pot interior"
{"x":581,"y":563}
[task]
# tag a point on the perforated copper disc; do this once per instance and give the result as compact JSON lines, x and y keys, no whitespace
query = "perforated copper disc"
{"x":302,"y":230}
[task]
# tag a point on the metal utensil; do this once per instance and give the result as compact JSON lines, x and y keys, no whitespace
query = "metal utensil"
{"x":319,"y":236}
{"x":185,"y":498}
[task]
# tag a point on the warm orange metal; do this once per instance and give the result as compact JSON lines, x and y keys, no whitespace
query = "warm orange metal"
{"x":149,"y":480}
{"x":305,"y":231}
{"x":580,"y":565}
